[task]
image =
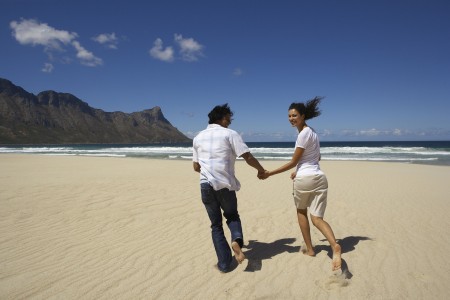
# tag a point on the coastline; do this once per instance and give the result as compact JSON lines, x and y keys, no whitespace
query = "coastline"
{"x":103,"y":227}
{"x":420,"y":152}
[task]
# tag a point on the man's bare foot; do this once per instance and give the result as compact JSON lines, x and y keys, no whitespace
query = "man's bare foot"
{"x":238,"y":254}
{"x":336,"y":257}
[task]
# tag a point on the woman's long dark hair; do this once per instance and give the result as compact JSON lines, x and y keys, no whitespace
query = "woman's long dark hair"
{"x":310,"y":109}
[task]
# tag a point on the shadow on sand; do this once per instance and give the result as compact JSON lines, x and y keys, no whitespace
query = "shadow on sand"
{"x":259,"y":251}
{"x":347,"y":244}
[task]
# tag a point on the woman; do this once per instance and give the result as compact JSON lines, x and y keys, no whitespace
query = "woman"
{"x":310,"y":183}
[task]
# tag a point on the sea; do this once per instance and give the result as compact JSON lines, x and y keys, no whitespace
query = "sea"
{"x":415,"y":152}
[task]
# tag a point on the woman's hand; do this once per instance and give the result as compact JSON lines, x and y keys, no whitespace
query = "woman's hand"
{"x":293,"y":174}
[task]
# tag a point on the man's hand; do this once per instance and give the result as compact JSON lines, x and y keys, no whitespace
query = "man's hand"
{"x":263,"y":175}
{"x":196,"y":166}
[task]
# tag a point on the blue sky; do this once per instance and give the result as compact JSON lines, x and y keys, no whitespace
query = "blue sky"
{"x":382,"y":66}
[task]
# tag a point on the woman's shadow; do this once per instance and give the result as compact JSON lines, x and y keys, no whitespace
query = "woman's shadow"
{"x":259,"y":251}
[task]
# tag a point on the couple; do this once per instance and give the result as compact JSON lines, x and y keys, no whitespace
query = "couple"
{"x":215,"y":150}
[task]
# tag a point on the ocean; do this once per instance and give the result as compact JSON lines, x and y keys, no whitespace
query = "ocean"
{"x":420,"y":152}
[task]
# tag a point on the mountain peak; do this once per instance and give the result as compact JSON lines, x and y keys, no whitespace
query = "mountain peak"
{"x":62,"y":118}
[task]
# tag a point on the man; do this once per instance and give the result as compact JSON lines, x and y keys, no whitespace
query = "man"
{"x":215,"y":150}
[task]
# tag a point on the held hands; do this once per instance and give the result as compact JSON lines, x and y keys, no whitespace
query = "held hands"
{"x":263,"y":175}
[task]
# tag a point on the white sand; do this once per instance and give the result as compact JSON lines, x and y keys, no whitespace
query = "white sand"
{"x":123,"y":228}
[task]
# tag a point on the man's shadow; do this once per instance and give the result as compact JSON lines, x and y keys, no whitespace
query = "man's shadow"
{"x":347,"y":244}
{"x":259,"y":251}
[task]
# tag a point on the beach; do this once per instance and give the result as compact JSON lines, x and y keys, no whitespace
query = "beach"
{"x":80,"y":227}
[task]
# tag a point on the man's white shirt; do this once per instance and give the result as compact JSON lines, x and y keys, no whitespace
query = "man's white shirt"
{"x":216,"y":149}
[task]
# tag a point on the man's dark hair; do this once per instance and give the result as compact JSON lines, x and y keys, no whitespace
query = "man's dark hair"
{"x":219,"y":112}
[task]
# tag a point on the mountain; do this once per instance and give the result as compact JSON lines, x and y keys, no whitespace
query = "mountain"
{"x":61,"y":118}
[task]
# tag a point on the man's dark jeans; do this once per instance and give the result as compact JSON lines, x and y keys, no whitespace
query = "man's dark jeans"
{"x":215,"y":202}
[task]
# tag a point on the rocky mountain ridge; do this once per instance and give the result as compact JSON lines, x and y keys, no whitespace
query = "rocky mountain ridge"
{"x":61,"y":118}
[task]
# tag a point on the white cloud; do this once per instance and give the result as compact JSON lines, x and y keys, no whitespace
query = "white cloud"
{"x":325,"y":132}
{"x":238,"y":72}
{"x":369,"y":132}
{"x":28,"y":32}
{"x":188,"y":114}
{"x":31,"y":32}
{"x":385,"y":133}
{"x":190,"y":134}
{"x":270,"y":136}
{"x":86,"y":57}
{"x":397,"y":132}
{"x":190,"y":49}
{"x":348,"y":135}
{"x":158,"y":52}
{"x":48,"y":68}
{"x":108,"y":39}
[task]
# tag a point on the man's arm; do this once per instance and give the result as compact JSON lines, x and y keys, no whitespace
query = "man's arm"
{"x":252,"y":161}
{"x":196,"y":166}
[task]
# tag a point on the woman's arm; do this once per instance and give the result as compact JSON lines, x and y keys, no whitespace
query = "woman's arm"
{"x":294,"y":161}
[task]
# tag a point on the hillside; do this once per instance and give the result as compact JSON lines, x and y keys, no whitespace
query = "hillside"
{"x":61,"y":118}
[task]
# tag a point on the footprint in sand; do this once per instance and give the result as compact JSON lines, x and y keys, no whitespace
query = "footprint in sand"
{"x":337,"y":280}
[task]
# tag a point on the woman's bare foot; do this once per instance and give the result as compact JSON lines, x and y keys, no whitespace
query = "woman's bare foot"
{"x":336,"y":257}
{"x":238,"y":254}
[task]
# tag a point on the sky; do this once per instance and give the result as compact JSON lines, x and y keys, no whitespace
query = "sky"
{"x":382,"y":66}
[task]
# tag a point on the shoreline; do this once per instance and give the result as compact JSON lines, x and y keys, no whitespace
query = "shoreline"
{"x":269,"y":160}
{"x":421,"y":152}
{"x":101,"y":227}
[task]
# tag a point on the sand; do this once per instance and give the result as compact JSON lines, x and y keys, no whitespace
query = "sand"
{"x":76,"y":227}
